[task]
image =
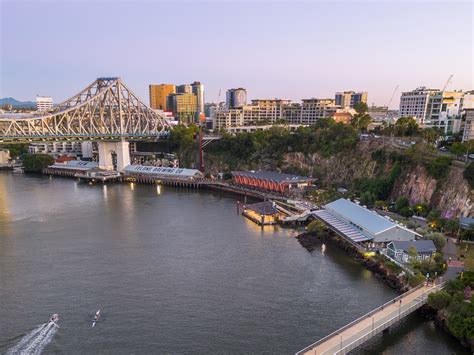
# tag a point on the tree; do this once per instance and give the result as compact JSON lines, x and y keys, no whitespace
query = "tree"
{"x":457,"y":148}
{"x":361,"y":121}
{"x":412,"y":252}
{"x":35,"y":163}
{"x":401,"y":203}
{"x":439,"y":300}
{"x":406,"y":126}
{"x":438,"y":239}
{"x":361,"y":107}
{"x":431,"y":135}
{"x":317,"y":227}
{"x":469,"y":175}
{"x":438,"y":167}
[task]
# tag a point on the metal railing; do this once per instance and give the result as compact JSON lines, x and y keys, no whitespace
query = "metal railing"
{"x":368,"y":315}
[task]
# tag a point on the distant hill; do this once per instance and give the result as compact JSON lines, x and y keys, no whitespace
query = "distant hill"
{"x":16,"y":103}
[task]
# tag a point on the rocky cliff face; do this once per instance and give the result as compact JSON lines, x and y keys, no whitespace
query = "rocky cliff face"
{"x":452,"y":197}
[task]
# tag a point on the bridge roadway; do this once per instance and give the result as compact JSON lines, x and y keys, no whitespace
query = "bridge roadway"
{"x":362,"y":329}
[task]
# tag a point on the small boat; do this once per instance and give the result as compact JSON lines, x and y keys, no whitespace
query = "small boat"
{"x":54,"y":318}
{"x":96,"y":318}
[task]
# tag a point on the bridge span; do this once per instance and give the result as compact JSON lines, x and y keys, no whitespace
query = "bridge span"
{"x":376,"y":321}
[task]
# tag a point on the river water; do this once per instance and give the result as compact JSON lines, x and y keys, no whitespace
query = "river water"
{"x":173,"y":271}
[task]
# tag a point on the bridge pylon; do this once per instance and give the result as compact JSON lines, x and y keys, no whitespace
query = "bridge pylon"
{"x":108,"y":149}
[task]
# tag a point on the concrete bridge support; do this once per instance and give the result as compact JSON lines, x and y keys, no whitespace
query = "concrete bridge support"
{"x":120,"y":149}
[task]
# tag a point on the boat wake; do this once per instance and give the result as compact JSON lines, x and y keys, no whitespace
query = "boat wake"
{"x":35,"y":341}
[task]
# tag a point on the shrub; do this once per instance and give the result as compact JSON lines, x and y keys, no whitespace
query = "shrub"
{"x":415,"y":280}
{"x":438,"y":167}
{"x":35,"y":163}
{"x":317,"y":227}
{"x":469,"y":175}
{"x":439,"y":300}
{"x":438,"y":239}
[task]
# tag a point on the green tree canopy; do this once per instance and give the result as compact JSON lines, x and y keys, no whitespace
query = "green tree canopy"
{"x":406,"y":126}
{"x":469,"y":175}
{"x":438,"y":239}
{"x":35,"y":163}
{"x":439,"y":300}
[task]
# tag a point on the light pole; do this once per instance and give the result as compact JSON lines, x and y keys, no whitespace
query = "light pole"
{"x":399,"y":309}
{"x":341,"y":343}
{"x":372,"y":325}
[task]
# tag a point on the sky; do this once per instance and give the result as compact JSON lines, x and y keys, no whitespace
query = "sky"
{"x":274,"y":49}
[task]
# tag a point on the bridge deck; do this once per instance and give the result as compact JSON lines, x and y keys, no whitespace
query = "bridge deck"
{"x":364,"y":328}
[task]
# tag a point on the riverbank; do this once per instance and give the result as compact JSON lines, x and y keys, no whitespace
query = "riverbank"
{"x":439,"y":318}
{"x":310,"y":242}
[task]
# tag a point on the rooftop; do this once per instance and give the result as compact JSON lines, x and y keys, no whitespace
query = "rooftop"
{"x":422,"y":246}
{"x":75,"y":165}
{"x":176,"y":172}
{"x":264,"y":208}
{"x":368,"y":220}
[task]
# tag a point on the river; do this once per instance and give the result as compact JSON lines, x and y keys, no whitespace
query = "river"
{"x":174,"y":271}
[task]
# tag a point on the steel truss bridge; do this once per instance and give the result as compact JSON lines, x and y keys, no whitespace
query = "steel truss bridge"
{"x":105,"y":110}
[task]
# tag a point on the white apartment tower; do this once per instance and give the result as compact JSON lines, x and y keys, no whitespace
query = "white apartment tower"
{"x":44,"y":103}
{"x":414,"y":103}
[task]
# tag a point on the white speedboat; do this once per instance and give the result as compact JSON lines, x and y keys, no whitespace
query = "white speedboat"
{"x":55,"y":318}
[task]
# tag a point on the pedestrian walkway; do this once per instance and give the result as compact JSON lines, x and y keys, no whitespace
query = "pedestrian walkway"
{"x":359,"y":331}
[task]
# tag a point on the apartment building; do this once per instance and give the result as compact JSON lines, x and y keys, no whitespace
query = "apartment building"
{"x":315,"y":109}
{"x":198,"y":90}
{"x":236,"y":98}
{"x":468,"y":133}
{"x":159,"y":94}
{"x":415,"y":103}
{"x":347,"y":99}
{"x":44,"y":103}
{"x":73,"y":149}
{"x":262,"y":112}
{"x":184,"y":107}
{"x":444,"y":111}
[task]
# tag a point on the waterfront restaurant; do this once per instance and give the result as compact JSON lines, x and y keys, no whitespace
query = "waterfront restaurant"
{"x":359,"y":224}
{"x":272,"y":181}
{"x":262,"y":213}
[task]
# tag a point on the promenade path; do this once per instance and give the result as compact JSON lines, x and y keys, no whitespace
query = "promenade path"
{"x":352,"y":335}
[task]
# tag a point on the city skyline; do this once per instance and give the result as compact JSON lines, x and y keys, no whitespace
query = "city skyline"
{"x":322,"y":52}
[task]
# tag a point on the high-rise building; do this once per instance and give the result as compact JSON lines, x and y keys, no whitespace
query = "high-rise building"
{"x":184,"y":107}
{"x":444,"y":111}
{"x":348,"y":99}
{"x":198,"y":90}
{"x":159,"y":94}
{"x":236,"y":98}
{"x":315,"y":109}
{"x":184,"y":89}
{"x":468,"y":133}
{"x":435,"y":108}
{"x":44,"y":103}
{"x":415,"y":103}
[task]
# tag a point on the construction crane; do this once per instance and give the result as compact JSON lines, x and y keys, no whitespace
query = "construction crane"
{"x":391,"y":98}
{"x":447,"y":82}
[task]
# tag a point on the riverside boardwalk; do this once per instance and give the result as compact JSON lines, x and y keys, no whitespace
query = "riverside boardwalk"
{"x":362,"y":329}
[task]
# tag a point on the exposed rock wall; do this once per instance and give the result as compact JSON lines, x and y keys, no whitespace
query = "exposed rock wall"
{"x":452,"y":196}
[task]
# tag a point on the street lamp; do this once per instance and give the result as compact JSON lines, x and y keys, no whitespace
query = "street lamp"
{"x":399,"y":309}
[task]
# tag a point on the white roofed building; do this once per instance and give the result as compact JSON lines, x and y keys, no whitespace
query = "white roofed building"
{"x":360,"y":224}
{"x":162,"y":172}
